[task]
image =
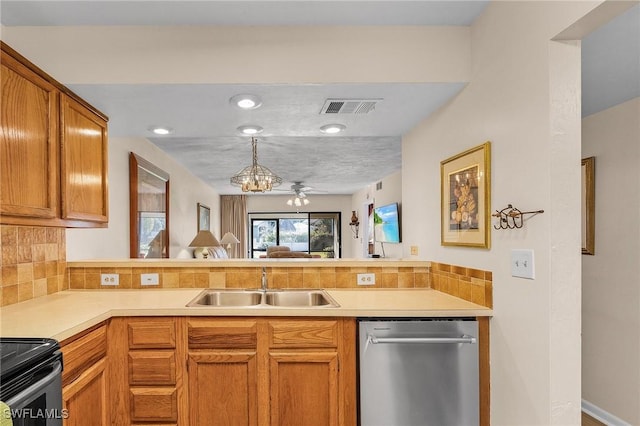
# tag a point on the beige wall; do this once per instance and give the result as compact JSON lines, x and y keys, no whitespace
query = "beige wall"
{"x":610,"y":290}
{"x":76,"y":55}
{"x":524,"y":98}
{"x":186,"y":192}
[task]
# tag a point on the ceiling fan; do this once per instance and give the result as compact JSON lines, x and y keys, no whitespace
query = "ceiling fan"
{"x":300,"y":192}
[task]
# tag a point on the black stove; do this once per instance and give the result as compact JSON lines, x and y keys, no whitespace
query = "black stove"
{"x":30,"y":380}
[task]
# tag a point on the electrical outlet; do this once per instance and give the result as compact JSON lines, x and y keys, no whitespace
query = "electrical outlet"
{"x":109,"y":279}
{"x":149,"y":279}
{"x":414,"y":250}
{"x":366,"y":279}
{"x":522,"y":264}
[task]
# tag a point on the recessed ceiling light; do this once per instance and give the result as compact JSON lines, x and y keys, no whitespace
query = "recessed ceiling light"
{"x":332,"y":128}
{"x":161,"y":130}
{"x":250,"y":129}
{"x":246,"y":101}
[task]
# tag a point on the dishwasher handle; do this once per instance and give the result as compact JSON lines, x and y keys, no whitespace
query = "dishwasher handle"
{"x":420,"y":340}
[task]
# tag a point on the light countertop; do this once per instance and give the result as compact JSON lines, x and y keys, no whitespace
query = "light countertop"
{"x":61,"y":315}
{"x":244,"y":263}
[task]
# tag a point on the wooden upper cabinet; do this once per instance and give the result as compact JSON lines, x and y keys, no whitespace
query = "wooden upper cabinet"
{"x":83,"y":163}
{"x":29,"y":142}
{"x":53,"y":151}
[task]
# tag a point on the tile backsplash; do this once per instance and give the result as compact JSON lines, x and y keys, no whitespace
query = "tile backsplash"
{"x":473,"y":285}
{"x":249,"y":277}
{"x":33,"y":262}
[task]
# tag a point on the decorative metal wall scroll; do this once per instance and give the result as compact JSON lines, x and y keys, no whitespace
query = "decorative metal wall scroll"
{"x":511,"y":218}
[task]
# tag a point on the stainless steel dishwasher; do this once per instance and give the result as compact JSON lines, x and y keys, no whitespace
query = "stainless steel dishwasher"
{"x":418,"y":372}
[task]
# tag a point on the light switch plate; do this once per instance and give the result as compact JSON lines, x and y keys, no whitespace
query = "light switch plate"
{"x":149,"y":279}
{"x":522,"y":265}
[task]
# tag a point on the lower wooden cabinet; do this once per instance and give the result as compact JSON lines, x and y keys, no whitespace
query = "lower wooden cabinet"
{"x":223,"y":388}
{"x":279,"y":372}
{"x":86,"y":398}
{"x":85,"y":379}
{"x":148,"y":375}
{"x":304,"y":388}
{"x":203,"y":371}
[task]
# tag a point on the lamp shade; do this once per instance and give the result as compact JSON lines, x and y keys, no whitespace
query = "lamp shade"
{"x":229,"y":238}
{"x":204,"y":238}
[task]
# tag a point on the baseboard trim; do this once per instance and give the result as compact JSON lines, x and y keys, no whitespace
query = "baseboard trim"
{"x":601,"y":415}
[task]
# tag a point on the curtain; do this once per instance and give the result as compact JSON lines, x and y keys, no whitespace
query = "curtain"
{"x":233,"y":218}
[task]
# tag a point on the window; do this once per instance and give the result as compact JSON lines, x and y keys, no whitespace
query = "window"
{"x":314,"y":233}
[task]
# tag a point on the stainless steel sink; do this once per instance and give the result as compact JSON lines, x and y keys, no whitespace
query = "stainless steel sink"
{"x":227,"y":298}
{"x":260,"y":299}
{"x":296,"y":298}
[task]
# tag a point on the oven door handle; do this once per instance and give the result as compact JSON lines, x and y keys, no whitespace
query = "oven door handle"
{"x":420,"y":340}
{"x":26,"y":395}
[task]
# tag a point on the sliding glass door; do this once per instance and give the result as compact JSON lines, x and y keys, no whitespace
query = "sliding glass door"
{"x":314,"y":233}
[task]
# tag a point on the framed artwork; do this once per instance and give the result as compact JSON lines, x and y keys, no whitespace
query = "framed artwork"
{"x":465,"y":185}
{"x":204,"y":218}
{"x":588,"y":205}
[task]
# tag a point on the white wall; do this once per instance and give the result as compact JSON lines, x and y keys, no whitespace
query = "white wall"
{"x":185,"y":192}
{"x":318,"y":203}
{"x":524,"y":98}
{"x":610,"y":290}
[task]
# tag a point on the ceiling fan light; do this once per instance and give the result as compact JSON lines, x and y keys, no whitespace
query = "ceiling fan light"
{"x":332,"y":129}
{"x":297,"y":202}
{"x":246,"y":101}
{"x":305,"y":202}
{"x":290,"y":202}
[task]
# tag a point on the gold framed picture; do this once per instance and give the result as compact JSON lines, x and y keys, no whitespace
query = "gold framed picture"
{"x":465,"y":187}
{"x":588,"y":206}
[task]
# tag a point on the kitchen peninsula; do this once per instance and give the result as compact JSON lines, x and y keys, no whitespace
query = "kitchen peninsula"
{"x":116,"y":341}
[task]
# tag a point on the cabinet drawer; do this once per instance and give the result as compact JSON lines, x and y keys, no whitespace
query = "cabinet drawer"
{"x":222,"y":334}
{"x":303,"y":334}
{"x":154,"y":404}
{"x":152,"y":368}
{"x":83,"y":352}
{"x":152,"y":334}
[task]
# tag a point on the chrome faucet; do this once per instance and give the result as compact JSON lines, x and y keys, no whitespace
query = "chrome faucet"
{"x":264,"y":279}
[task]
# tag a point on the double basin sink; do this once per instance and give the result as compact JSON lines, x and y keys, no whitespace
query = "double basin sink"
{"x":268,"y":298}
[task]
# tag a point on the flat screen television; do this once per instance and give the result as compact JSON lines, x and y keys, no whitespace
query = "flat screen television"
{"x":386,"y":223}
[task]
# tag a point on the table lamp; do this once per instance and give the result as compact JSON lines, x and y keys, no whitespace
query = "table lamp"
{"x":203,"y":240}
{"x":228,"y":239}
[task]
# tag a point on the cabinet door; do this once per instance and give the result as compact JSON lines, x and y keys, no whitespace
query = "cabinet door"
{"x":304,"y":388}
{"x":86,"y":398}
{"x":28,"y":143}
{"x":223,"y":388}
{"x":83,"y":163}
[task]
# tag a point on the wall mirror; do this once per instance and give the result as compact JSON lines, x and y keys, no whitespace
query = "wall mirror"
{"x":149,"y":209}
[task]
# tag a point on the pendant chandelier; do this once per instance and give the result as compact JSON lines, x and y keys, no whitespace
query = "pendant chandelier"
{"x":255,"y":178}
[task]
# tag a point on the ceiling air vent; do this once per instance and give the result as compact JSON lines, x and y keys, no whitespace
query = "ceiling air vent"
{"x":349,"y":106}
